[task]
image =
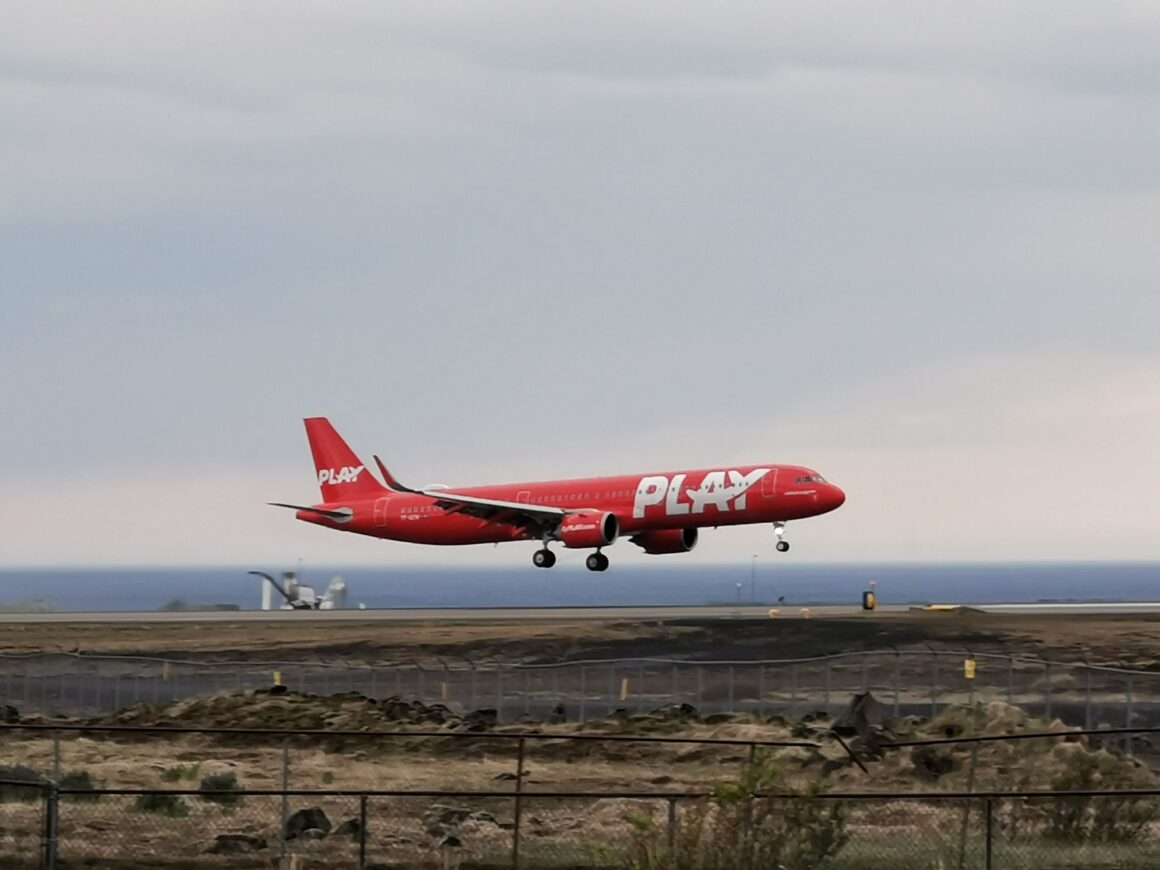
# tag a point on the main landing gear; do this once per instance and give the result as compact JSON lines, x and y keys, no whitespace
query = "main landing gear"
{"x":596,"y":562}
{"x":545,"y":558}
{"x":779,"y":533}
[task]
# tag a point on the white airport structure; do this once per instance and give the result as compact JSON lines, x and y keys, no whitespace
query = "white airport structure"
{"x":299,"y":596}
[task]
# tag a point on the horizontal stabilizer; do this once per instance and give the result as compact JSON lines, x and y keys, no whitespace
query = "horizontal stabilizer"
{"x":341,"y":515}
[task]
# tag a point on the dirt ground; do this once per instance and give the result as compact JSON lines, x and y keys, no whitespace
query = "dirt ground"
{"x":1124,"y":641}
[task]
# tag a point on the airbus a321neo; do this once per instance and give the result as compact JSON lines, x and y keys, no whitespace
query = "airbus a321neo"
{"x":660,"y":513}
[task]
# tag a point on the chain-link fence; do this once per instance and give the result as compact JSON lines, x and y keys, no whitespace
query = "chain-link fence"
{"x":55,"y":827}
{"x":909,"y":682}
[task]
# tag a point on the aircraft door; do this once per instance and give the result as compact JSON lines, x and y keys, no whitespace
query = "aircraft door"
{"x":769,"y":484}
{"x":381,"y":511}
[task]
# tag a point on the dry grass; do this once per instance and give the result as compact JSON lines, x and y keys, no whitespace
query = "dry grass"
{"x":556,"y":830}
{"x":371,"y":641}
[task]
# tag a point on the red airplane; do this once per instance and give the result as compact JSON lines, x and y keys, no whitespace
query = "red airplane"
{"x":660,"y":513}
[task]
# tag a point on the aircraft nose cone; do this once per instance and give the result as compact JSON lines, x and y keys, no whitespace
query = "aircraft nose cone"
{"x":837,"y":497}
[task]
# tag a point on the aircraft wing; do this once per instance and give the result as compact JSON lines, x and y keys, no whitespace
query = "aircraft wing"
{"x":514,"y":513}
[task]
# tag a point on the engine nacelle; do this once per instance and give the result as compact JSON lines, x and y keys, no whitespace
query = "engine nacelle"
{"x":665,"y":541}
{"x":584,"y":531}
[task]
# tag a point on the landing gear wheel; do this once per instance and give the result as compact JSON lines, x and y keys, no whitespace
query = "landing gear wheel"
{"x":596,"y":562}
{"x":782,"y":546}
{"x":544,"y":558}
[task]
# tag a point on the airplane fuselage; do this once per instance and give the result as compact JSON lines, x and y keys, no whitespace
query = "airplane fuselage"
{"x":642,"y":502}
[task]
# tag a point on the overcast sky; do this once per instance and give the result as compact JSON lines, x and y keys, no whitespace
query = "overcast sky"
{"x":913,"y":245}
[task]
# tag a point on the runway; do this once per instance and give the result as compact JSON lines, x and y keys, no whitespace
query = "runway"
{"x":575,"y":614}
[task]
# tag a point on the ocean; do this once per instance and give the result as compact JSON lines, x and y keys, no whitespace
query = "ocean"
{"x":117,"y":589}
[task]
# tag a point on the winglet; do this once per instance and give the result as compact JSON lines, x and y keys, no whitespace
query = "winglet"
{"x":392,"y":481}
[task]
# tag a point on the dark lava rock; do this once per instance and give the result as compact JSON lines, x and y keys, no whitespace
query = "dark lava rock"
{"x":480,"y":720}
{"x":236,"y":844}
{"x":931,"y":762}
{"x":312,"y":819}
{"x":719,"y":718}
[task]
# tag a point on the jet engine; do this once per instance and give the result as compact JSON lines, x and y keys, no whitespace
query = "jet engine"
{"x":583,"y":531}
{"x":666,"y":541}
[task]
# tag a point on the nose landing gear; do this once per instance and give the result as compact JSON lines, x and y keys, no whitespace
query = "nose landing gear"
{"x":779,"y":533}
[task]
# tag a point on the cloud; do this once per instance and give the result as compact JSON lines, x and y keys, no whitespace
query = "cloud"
{"x":526,"y":240}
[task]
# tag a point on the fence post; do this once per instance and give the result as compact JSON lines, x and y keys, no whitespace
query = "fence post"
{"x":829,"y":670}
{"x":967,"y":807}
{"x":362,"y":832}
{"x":699,"y":686}
{"x":51,"y":825}
{"x":672,"y":832}
{"x":640,"y":688}
{"x":933,"y":686}
{"x":1047,"y":690}
{"x":990,"y":840}
{"x":897,"y":679}
{"x":751,"y":776}
{"x":611,"y":689}
{"x":865,"y":672}
{"x":583,"y":689}
{"x":1087,"y":716}
{"x":374,"y":688}
{"x":761,"y":691}
{"x":499,"y":692}
{"x":518,"y":809}
{"x":1128,"y":716}
{"x":527,"y":691}
{"x":729,"y":708}
{"x":793,"y":686}
{"x":285,"y":797}
{"x":1010,"y":681}
{"x":676,"y":690}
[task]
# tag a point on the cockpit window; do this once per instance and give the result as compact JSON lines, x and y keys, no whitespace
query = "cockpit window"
{"x":810,"y":478}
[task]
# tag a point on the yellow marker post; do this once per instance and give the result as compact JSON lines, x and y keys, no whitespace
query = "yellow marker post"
{"x":969,"y":668}
{"x":624,"y":689}
{"x":277,"y":678}
{"x":443,"y":690}
{"x":773,"y":613}
{"x":166,"y":671}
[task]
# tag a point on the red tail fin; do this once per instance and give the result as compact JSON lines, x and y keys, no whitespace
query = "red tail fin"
{"x":341,"y":475}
